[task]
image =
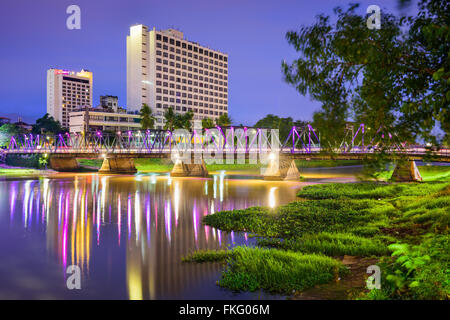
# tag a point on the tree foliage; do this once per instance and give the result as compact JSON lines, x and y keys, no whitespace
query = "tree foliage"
{"x":396,"y":77}
{"x":284,"y":125}
{"x":224,"y":120}
{"x":207,"y":123}
{"x":169,"y":117}
{"x":184,"y":120}
{"x":47,"y":124}
{"x":7,"y":131}
{"x":178,"y":120}
{"x":147,"y":118}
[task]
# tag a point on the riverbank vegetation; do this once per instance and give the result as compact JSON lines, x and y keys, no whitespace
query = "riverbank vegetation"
{"x":428,"y":173}
{"x":326,"y":163}
{"x":18,"y":161}
{"x":165,"y":165}
{"x":277,"y":271}
{"x":18,"y":171}
{"x":404,"y":226}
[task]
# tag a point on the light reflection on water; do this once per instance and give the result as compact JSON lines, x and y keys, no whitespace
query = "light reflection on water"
{"x":126,"y":233}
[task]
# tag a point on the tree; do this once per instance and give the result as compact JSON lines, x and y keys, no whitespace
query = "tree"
{"x":47,"y":124}
{"x":395,"y":77}
{"x":224,"y":120}
{"x":7,"y":131}
{"x":183,"y":120}
{"x":177,"y":120}
{"x":207,"y":123}
{"x":147,"y":118}
{"x":284,"y":125}
{"x":170,"y":118}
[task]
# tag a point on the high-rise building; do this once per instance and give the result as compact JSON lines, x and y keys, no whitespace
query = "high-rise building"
{"x":165,"y":70}
{"x":66,"y":91}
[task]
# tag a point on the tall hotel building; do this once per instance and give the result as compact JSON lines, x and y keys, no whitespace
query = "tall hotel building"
{"x":66,"y":91}
{"x":165,"y":70}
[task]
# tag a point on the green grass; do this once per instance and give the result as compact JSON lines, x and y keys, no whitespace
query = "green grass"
{"x":326,"y":163}
{"x":165,"y":165}
{"x":331,"y":244}
{"x":142,"y":164}
{"x":275,"y":271}
{"x":428,"y":173}
{"x":97,"y":163}
{"x":431,"y":212}
{"x":153,"y":165}
{"x":301,"y":164}
{"x":235,"y":167}
{"x":302,"y":217}
{"x":368,"y":190}
{"x":6,"y":171}
{"x":207,"y":256}
{"x":435,"y":173}
{"x":358,"y":219}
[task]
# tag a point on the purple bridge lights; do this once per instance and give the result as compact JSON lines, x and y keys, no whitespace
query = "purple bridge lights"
{"x":119,"y":149}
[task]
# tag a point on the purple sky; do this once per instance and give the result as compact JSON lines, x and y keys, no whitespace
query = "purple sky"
{"x":34,"y":38}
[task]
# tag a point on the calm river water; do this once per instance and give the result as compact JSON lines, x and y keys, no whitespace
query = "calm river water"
{"x":127,"y":234}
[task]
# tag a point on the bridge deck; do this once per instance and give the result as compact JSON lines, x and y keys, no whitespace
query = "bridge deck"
{"x":442,"y":155}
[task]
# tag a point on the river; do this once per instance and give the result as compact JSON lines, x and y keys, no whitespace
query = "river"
{"x":125,"y":233}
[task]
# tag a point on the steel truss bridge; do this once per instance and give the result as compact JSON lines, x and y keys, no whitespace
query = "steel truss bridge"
{"x":302,"y":142}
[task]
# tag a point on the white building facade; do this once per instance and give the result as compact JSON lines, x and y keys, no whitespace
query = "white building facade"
{"x":165,"y":70}
{"x":87,"y":119}
{"x":109,"y":102}
{"x":66,"y":91}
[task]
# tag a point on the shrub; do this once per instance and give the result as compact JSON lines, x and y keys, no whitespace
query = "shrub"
{"x":27,"y":161}
{"x":418,"y":272}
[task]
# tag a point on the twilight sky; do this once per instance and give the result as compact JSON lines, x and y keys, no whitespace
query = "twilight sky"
{"x":34,"y":38}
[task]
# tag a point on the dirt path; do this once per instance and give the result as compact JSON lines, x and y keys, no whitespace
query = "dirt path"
{"x":344,"y":288}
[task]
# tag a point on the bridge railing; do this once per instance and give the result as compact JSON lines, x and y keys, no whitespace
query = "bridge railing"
{"x":300,"y":140}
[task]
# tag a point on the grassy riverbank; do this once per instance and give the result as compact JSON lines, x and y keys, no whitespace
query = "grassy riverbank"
{"x":277,"y":271}
{"x":165,"y":165}
{"x":142,"y":164}
{"x":18,"y":171}
{"x":428,"y":173}
{"x":403,"y":226}
{"x":326,"y":163}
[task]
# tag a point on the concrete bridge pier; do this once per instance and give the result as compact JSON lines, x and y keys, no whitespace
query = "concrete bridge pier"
{"x":181,"y":169}
{"x":406,"y":171}
{"x":283,"y":169}
{"x":60,"y":163}
{"x":118,"y":165}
